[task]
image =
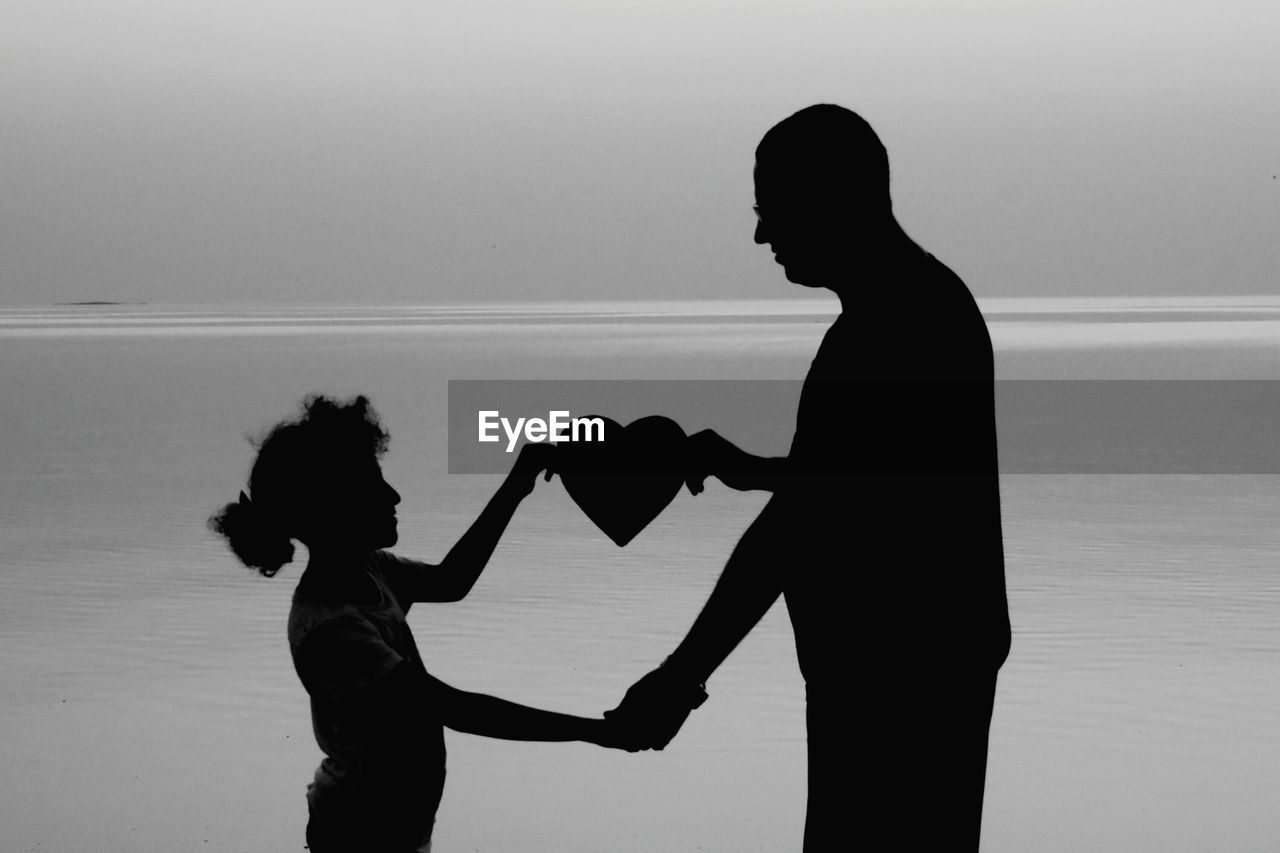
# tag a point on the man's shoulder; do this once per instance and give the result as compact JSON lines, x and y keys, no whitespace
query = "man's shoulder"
{"x":946,"y":288}
{"x":952,"y":310}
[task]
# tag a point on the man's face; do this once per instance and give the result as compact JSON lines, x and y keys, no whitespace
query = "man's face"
{"x":802,"y":227}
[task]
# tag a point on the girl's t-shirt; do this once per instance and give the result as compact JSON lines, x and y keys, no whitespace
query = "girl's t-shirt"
{"x":340,"y":650}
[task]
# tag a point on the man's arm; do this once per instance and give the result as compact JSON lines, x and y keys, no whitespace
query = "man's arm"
{"x":710,"y":454}
{"x":657,"y":705}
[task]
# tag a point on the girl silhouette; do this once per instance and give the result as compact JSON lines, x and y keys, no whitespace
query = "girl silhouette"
{"x":377,"y":714}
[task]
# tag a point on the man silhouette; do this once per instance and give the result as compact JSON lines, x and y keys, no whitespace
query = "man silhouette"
{"x":883,"y":532}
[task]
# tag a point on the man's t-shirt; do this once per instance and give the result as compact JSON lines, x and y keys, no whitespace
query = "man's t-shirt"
{"x":894,"y":545}
{"x":340,"y":651}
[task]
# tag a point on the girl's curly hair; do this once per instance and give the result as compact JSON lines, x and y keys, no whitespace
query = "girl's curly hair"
{"x":299,"y":461}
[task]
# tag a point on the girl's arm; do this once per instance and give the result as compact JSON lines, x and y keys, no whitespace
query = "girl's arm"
{"x":411,"y":694}
{"x":489,"y":716}
{"x":461,"y":567}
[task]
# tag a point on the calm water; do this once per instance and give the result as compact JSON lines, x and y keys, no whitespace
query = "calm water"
{"x":150,"y":705}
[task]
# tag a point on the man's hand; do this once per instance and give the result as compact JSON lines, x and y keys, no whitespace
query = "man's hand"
{"x":655,"y":708}
{"x":710,"y":454}
{"x":535,"y":458}
{"x":612,"y":734}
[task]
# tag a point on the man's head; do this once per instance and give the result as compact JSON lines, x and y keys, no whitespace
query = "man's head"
{"x":822,"y":191}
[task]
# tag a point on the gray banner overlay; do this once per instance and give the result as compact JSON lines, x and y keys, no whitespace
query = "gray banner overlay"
{"x":1043,"y":426}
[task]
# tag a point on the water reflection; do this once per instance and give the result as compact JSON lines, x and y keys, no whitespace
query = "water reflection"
{"x":150,"y":702}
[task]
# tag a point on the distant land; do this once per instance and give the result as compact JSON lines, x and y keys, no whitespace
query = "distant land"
{"x":99,"y":302}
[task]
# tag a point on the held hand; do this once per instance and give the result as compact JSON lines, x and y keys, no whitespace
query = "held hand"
{"x":611,"y":734}
{"x":534,"y":459}
{"x":655,"y":708}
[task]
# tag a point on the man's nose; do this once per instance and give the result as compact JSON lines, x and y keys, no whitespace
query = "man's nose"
{"x":760,"y":237}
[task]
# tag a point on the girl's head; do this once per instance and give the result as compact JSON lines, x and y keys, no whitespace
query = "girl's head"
{"x":316,"y":479}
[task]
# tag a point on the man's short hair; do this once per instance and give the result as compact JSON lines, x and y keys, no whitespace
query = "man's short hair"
{"x":830,"y":150}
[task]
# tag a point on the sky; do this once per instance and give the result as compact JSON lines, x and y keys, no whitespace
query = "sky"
{"x":334,"y":151}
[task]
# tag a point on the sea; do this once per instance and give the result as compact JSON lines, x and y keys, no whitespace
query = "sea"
{"x":148,"y":701}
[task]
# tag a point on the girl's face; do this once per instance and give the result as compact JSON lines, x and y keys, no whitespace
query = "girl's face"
{"x":361,"y":512}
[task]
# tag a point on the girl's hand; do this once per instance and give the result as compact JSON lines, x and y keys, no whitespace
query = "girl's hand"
{"x":534,"y":459}
{"x":613,"y":735}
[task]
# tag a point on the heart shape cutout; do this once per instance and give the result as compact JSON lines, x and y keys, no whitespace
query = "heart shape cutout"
{"x":625,"y":481}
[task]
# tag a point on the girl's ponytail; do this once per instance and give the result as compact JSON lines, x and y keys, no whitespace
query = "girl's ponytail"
{"x":253,"y":538}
